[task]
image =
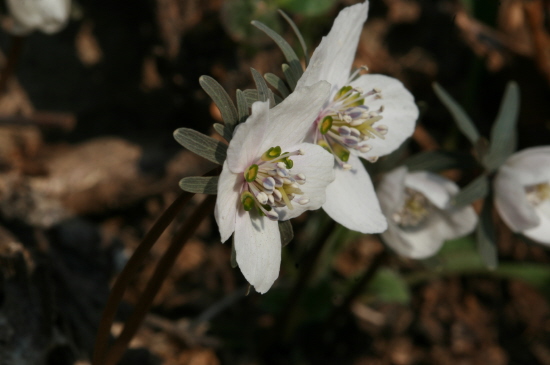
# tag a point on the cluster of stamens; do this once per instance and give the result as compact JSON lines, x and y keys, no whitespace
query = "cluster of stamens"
{"x":414,"y":211}
{"x":538,"y":193}
{"x":270,"y":184}
{"x":346,"y":123}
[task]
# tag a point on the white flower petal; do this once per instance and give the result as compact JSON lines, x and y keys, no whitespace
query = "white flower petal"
{"x":258,"y":247}
{"x":531,"y":166}
{"x":391,"y":190}
{"x":247,"y":138}
{"x":48,"y":16}
{"x":227,"y":202}
{"x":291,"y":119}
{"x":459,"y":221}
{"x":399,"y":115}
{"x":417,"y":245}
{"x":317,"y":166}
{"x":333,"y":58}
{"x":351,"y":200}
{"x":511,"y":201}
{"x":421,"y":243}
{"x":541,"y":233}
{"x":436,"y":188}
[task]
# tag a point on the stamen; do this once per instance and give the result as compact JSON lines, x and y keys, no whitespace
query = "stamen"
{"x":248,"y":201}
{"x":250,"y":173}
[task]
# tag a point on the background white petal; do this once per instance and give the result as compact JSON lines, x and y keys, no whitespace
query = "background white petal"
{"x":244,"y":147}
{"x":352,"y":202}
{"x":48,"y":16}
{"x":258,"y":247}
{"x":419,"y":244}
{"x":531,"y":165}
{"x":317,"y":165}
{"x":227,"y":202}
{"x":391,"y":190}
{"x":399,"y":115}
{"x":541,"y":233}
{"x":511,"y":201}
{"x":333,"y":58}
{"x":436,"y":188}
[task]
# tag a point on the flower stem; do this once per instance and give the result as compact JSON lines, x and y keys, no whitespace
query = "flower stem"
{"x":162,"y":270}
{"x":358,"y":288}
{"x":283,"y":324}
{"x":139,"y":255}
{"x":11,"y":63}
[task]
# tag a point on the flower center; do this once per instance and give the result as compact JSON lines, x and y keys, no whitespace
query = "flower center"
{"x":414,"y":211}
{"x":346,"y":123}
{"x":538,"y":193}
{"x":269,"y":183}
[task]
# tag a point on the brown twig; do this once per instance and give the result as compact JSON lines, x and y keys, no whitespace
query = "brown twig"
{"x":11,"y":63}
{"x":534,"y":12}
{"x":161,"y":272}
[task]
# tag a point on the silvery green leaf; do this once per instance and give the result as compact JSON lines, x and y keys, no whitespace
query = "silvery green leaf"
{"x":290,"y":55}
{"x":435,"y":161}
{"x":251,"y":96}
{"x":234,"y":254}
{"x":504,"y":133}
{"x":273,"y":99}
{"x":477,"y":189}
{"x":200,"y":184}
{"x":242,"y":106}
{"x":485,"y":234}
{"x":298,"y":34}
{"x":261,"y":86}
{"x":462,"y":120}
{"x":223,"y":131}
{"x":290,"y":78}
{"x":204,"y":146}
{"x":221,"y":99}
{"x":278,"y":84}
{"x":287,"y":233}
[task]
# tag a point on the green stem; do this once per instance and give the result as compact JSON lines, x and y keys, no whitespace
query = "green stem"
{"x":358,"y":288}
{"x":162,"y":270}
{"x":287,"y":314}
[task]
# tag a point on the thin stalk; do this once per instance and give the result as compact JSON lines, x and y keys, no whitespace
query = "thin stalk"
{"x":310,"y":261}
{"x":162,"y":270}
{"x":358,"y":288}
{"x":129,"y":271}
{"x":12,"y":60}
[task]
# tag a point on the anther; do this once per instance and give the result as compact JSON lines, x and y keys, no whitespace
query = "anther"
{"x":303,"y":201}
{"x":262,"y":197}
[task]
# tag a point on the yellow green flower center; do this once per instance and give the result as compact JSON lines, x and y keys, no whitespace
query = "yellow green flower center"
{"x":270,"y":184}
{"x":346,"y":124}
{"x":414,"y":211}
{"x":538,"y":193}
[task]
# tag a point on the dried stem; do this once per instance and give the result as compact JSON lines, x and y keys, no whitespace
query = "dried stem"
{"x":162,"y":270}
{"x":11,"y":63}
{"x":129,"y":271}
{"x":534,"y":12}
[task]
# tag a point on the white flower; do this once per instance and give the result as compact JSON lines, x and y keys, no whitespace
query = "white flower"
{"x":419,"y":216}
{"x":366,"y":116}
{"x":271,"y":175}
{"x":522,"y":193}
{"x":49,"y":16}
